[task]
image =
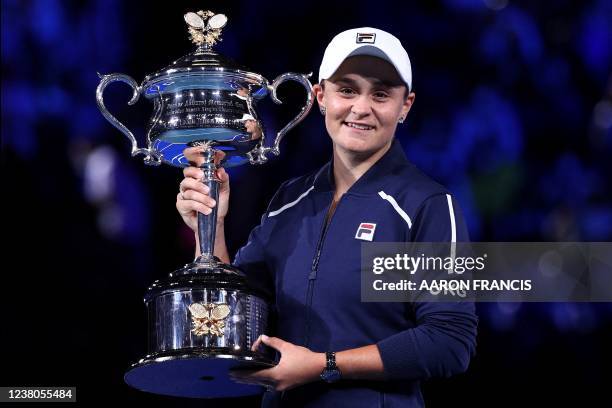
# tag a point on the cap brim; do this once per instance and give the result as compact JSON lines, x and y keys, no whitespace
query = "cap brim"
{"x":372,"y":51}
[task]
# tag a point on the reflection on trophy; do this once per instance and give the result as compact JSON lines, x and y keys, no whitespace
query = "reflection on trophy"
{"x":204,"y":318}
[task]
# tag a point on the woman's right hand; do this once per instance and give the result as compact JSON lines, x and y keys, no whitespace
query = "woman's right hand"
{"x":193,"y":196}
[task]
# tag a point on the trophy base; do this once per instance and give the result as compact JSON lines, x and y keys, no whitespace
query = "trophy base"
{"x":194,"y":374}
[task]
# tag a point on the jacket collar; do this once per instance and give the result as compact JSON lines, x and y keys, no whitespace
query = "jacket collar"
{"x":374,"y":179}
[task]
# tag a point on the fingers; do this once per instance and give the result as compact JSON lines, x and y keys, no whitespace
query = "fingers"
{"x":256,"y":345}
{"x":224,"y":185}
{"x":192,"y":184}
{"x":264,"y":377}
{"x":242,"y":373}
{"x":193,"y":196}
{"x":194,"y":173}
{"x":222,"y":175}
{"x":247,"y":381}
{"x":195,"y":157}
{"x":198,"y":197}
{"x":219,"y":156}
{"x":186,"y":207}
{"x":198,"y":174}
{"x":273,"y":342}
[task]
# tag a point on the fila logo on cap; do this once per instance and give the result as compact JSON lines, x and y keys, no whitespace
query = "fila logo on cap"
{"x":365,"y":232}
{"x":366,"y":38}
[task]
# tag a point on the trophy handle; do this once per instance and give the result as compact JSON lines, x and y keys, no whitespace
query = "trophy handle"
{"x":260,"y":157}
{"x":151,"y":157}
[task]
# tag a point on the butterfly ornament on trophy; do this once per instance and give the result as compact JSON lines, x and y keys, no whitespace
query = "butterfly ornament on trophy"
{"x":208,"y":318}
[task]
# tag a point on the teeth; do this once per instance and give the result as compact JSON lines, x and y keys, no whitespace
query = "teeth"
{"x":356,"y":126}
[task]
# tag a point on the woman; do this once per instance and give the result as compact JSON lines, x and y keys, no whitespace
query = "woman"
{"x":306,"y":251}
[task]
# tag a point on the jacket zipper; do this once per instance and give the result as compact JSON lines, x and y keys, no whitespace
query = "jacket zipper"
{"x":315,"y":266}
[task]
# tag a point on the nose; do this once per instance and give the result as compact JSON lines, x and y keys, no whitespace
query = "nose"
{"x":361,"y":106}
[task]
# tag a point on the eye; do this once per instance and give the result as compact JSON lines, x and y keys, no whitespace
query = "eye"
{"x":381,"y":95}
{"x":347,"y":91}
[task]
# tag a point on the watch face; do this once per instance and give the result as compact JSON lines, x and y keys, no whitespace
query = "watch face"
{"x":331,"y":375}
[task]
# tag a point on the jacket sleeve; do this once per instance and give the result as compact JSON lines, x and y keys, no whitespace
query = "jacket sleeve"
{"x":444,"y":337}
{"x":252,"y":257}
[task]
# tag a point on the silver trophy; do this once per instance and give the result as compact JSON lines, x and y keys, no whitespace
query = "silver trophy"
{"x":204,"y":318}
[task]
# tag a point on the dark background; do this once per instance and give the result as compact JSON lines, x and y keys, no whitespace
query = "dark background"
{"x":513,"y":114}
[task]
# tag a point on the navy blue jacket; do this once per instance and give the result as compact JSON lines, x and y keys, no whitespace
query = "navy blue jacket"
{"x":313,"y":275}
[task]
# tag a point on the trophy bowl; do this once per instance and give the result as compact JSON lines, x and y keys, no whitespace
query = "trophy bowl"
{"x":204,"y":318}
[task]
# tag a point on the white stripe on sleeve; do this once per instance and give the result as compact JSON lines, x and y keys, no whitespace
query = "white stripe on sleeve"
{"x":451,"y":213}
{"x":396,"y":207}
{"x":289,"y":205}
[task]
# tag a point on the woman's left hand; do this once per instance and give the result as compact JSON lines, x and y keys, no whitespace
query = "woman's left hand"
{"x":297,"y":366}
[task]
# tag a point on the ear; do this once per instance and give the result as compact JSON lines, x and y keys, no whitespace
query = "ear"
{"x":319,"y":94}
{"x":407,"y":104}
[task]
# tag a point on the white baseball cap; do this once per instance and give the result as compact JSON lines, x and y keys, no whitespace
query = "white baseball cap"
{"x":366,"y":41}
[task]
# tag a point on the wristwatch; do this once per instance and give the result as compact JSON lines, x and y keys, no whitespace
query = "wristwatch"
{"x":331,"y":373}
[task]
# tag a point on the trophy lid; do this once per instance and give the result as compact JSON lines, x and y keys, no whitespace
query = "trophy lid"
{"x":204,"y":68}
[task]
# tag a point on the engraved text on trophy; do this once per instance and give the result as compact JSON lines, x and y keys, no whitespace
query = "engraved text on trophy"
{"x":201,"y":109}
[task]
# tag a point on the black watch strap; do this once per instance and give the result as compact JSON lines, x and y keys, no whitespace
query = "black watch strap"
{"x":331,"y":373}
{"x":331,"y":360}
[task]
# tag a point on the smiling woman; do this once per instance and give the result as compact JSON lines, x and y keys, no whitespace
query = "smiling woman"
{"x":336,"y":350}
{"x":363,"y":101}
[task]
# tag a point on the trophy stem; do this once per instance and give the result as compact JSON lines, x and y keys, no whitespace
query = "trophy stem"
{"x":207,"y":224}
